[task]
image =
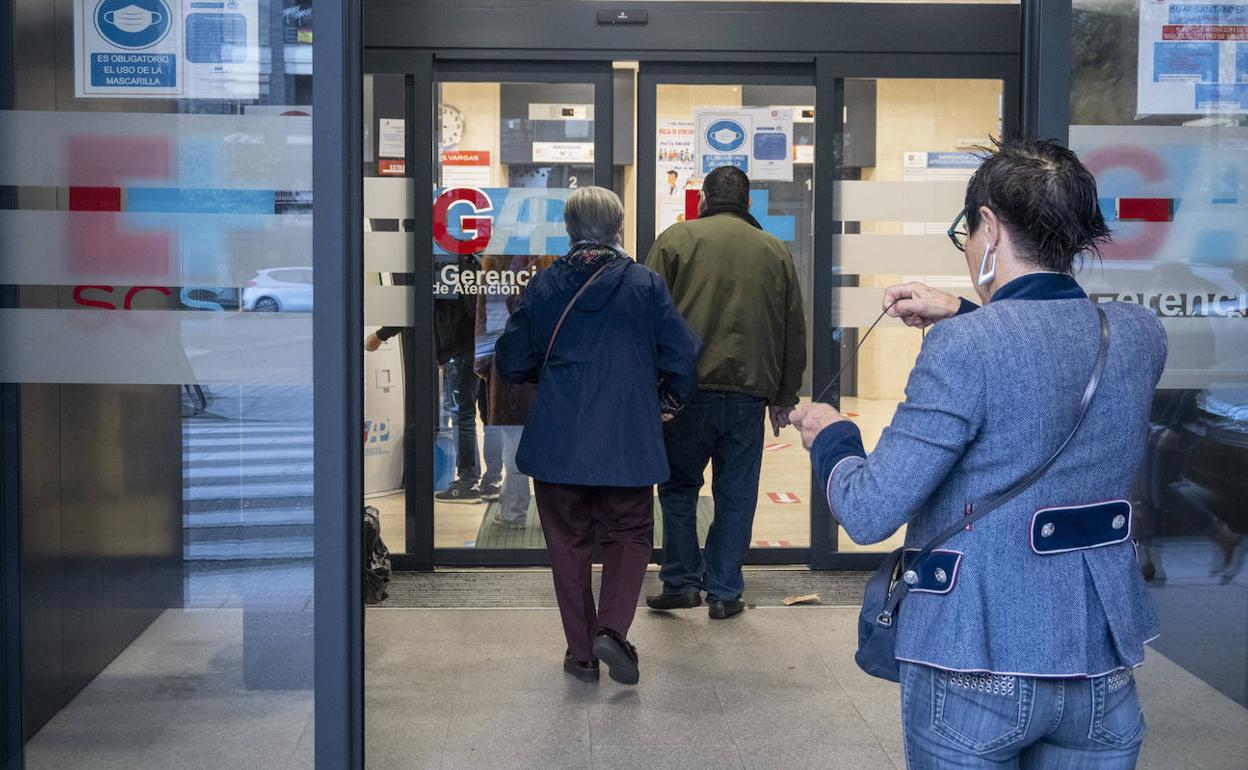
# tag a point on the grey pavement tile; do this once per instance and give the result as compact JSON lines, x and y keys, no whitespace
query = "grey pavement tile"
{"x":816,"y":754}
{"x":784,"y":714}
{"x":96,"y":736}
{"x":493,"y":720}
{"x":638,"y":715}
{"x":516,"y":627}
{"x":241,"y":732}
{"x":758,"y":665}
{"x":413,"y":666}
{"x":646,"y":757}
{"x":552,"y":757}
{"x":397,"y":725}
{"x":304,"y":755}
{"x":777,"y":627}
{"x":1164,"y":755}
{"x":409,"y":625}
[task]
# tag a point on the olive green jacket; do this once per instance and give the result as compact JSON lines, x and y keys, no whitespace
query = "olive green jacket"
{"x":737,"y":288}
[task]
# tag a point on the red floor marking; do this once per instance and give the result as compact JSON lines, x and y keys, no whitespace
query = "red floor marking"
{"x":783,"y":498}
{"x":776,"y":447}
{"x":772,"y":543}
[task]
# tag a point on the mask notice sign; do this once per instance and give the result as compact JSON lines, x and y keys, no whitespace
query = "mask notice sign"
{"x":194,"y":49}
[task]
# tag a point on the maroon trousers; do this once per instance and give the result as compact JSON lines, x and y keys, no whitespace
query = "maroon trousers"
{"x":623,"y":520}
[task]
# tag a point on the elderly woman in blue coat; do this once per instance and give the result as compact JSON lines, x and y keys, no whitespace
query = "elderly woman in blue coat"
{"x":1018,"y":639}
{"x":623,"y":360}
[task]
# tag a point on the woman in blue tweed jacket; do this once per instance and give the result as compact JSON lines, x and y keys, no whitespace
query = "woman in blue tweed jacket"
{"x":1018,"y":641}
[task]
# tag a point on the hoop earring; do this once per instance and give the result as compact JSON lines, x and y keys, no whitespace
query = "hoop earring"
{"x":986,"y":273}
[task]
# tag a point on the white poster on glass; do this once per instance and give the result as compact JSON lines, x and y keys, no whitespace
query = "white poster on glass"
{"x":757,"y":140}
{"x":1193,"y":58}
{"x":191,"y":49}
{"x":391,"y":139}
{"x":674,"y":170}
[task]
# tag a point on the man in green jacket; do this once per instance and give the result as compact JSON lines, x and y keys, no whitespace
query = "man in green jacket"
{"x":737,"y":288}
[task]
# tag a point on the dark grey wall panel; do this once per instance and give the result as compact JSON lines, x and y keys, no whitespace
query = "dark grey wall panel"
{"x":101,"y":505}
{"x":623,"y":147}
{"x":42,"y":594}
{"x":691,"y":27}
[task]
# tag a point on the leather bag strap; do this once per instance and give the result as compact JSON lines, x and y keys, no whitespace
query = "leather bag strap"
{"x":1021,"y":486}
{"x":568,"y":309}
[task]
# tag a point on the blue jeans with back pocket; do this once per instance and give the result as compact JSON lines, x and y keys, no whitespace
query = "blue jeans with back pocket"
{"x":976,"y":720}
{"x":726,"y":430}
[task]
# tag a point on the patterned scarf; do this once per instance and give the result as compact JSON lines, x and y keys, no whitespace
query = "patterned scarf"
{"x":587,"y":256}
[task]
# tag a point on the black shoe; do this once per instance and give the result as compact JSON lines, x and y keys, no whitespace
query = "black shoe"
{"x":491,"y":492}
{"x":725,"y":608}
{"x":462,"y":491}
{"x":586,"y":671}
{"x":675,"y":601}
{"x":619,"y":655}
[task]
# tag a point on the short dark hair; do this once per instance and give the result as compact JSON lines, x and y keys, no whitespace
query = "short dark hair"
{"x":727,"y":184}
{"x":1044,"y":195}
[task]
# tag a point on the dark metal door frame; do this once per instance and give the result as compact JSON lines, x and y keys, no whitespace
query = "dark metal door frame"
{"x":867,"y":40}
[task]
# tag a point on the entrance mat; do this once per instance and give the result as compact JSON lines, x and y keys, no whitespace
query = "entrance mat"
{"x":533,"y":589}
{"x":492,"y":535}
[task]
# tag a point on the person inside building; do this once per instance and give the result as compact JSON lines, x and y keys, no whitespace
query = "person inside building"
{"x":1018,"y":636}
{"x":737,"y":287}
{"x":597,"y":331}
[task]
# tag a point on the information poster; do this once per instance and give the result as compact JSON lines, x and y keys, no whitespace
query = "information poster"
{"x":391,"y":140}
{"x":920,"y":166}
{"x":191,"y":49}
{"x":466,"y":168}
{"x":674,"y":170}
{"x":757,"y":140}
{"x":1193,"y":58}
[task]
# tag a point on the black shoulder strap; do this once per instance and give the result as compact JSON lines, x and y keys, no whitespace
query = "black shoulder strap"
{"x":988,"y":507}
{"x":568,"y":309}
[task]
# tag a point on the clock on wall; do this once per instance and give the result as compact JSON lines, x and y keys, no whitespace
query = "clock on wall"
{"x":451,"y":122}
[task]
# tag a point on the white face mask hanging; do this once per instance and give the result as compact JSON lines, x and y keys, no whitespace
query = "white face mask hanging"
{"x":987,"y":272}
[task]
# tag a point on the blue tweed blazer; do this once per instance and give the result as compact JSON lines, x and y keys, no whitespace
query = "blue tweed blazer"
{"x":993,"y":393}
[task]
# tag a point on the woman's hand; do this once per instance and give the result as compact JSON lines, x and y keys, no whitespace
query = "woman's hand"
{"x":372,"y":342}
{"x":665,"y":416}
{"x":919,"y":305}
{"x":810,"y":419}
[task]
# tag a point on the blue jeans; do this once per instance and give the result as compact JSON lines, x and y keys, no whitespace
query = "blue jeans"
{"x":467,"y":392}
{"x":725,"y":429}
{"x":954,"y":720}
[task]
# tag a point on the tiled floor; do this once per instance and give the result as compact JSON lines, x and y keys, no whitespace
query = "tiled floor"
{"x":772,"y":688}
{"x":450,"y":689}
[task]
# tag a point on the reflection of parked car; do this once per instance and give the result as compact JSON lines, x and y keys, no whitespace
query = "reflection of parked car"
{"x":279,"y":289}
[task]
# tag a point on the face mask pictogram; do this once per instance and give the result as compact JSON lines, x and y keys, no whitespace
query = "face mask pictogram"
{"x":132,"y":19}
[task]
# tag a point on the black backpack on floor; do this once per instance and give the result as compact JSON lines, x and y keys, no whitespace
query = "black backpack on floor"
{"x":376,"y":559}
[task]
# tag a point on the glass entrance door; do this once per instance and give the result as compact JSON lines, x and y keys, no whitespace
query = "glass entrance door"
{"x":907,"y":132}
{"x":512,"y":145}
{"x":499,"y":148}
{"x":766,"y":115}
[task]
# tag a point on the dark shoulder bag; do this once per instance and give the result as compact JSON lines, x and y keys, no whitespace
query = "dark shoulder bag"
{"x":554,"y":335}
{"x":881,"y":601}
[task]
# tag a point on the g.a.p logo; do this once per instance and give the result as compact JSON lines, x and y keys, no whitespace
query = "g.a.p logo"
{"x":376,"y":431}
{"x":476,"y":224}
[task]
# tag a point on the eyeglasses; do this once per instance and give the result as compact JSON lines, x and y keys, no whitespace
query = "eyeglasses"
{"x":957,"y":235}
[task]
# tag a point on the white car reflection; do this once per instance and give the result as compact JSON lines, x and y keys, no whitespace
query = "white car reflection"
{"x":279,"y":289}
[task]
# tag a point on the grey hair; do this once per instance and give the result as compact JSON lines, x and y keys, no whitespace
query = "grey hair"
{"x":594,"y":214}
